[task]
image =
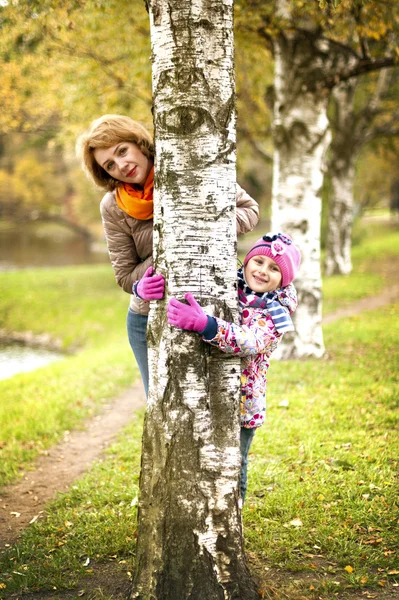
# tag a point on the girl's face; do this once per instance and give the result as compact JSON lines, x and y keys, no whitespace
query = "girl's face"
{"x":124,"y":162}
{"x":262,"y":274}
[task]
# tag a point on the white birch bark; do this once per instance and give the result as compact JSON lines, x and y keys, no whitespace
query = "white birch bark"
{"x":352,"y":128}
{"x":341,"y":170}
{"x":190,"y":542}
{"x":301,"y":137}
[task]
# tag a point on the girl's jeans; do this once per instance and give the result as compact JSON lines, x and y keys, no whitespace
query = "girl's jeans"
{"x":246,"y":437}
{"x":136,"y":331}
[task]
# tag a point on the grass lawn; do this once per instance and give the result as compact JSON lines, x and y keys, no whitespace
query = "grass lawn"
{"x":84,"y":309}
{"x":321,"y":516}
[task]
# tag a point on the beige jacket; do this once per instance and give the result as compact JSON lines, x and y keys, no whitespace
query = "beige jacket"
{"x":129,"y":241}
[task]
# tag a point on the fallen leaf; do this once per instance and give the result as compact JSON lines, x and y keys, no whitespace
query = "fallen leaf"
{"x":296,"y":523}
{"x":15,"y":514}
{"x":393,"y":572}
{"x":348,"y":569}
{"x":81,"y":593}
{"x":87,"y":562}
{"x":382,"y":583}
{"x":34,"y":519}
{"x":373,"y":541}
{"x":364,"y":580}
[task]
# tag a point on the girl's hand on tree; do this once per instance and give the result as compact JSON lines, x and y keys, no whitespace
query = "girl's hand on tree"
{"x":150,"y":287}
{"x":187,"y":316}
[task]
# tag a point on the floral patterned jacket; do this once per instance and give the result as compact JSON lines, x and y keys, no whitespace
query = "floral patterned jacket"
{"x":254,"y":340}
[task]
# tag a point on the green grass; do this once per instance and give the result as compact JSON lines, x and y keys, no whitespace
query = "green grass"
{"x":375,"y":265}
{"x":322,"y":513}
{"x":80,"y":305}
{"x":85,"y":309}
{"x":96,"y":520}
{"x":331,"y":459}
{"x":38,"y":407}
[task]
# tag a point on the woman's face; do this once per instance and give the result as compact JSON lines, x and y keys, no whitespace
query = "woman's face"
{"x":124,"y":162}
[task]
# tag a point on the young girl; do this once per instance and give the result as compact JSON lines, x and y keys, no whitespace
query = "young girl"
{"x":266,"y":299}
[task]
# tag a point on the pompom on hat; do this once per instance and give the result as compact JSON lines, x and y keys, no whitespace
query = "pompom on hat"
{"x":280,"y":248}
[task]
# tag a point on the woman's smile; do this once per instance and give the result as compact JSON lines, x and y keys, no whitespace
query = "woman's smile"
{"x":132,"y":172}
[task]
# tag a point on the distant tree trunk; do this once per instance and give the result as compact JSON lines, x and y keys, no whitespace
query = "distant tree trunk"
{"x":341,"y":169}
{"x":301,"y":137}
{"x":352,"y":128}
{"x":190,"y":540}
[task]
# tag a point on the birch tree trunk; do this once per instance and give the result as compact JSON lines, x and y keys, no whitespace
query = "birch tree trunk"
{"x":341,"y":169}
{"x":301,"y":137}
{"x":352,"y":129}
{"x":190,"y":540}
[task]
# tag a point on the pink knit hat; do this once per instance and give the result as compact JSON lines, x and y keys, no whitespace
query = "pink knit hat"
{"x":280,"y":248}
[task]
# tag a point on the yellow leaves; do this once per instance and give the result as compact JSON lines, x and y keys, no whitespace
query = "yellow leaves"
{"x":294,"y":523}
{"x":373,"y":541}
{"x":349,"y":569}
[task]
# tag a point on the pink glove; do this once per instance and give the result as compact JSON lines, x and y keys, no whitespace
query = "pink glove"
{"x":150,"y":287}
{"x":187,"y":316}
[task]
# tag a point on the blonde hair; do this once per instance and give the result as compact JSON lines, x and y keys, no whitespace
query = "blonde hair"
{"x":105,"y":132}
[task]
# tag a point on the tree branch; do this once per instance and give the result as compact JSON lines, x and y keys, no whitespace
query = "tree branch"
{"x":362,"y":67}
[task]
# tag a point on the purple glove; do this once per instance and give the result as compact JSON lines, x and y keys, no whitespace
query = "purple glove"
{"x":150,"y":287}
{"x":187,"y":316}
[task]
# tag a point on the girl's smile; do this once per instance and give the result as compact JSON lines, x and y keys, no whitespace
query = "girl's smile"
{"x":262,"y":274}
{"x":124,"y":162}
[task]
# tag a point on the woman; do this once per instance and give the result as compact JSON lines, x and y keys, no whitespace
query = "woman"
{"x":118,"y":155}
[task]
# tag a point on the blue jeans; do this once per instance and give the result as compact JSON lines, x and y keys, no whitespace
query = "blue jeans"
{"x":246,"y":437}
{"x":136,"y":331}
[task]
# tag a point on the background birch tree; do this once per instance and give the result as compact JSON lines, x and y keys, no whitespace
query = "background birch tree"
{"x":375,"y":116}
{"x":314,"y":51}
{"x":190,"y":542}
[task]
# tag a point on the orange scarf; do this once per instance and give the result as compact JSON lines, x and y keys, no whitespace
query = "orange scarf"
{"x":135,"y":202}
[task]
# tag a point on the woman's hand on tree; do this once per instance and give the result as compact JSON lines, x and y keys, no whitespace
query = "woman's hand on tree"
{"x":187,"y":316}
{"x":150,"y":286}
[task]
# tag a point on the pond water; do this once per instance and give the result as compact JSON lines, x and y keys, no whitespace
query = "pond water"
{"x":20,"y":249}
{"x":16,"y":358}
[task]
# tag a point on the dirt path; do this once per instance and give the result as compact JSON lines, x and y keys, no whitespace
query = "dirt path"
{"x":388,"y":296}
{"x":24,"y":502}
